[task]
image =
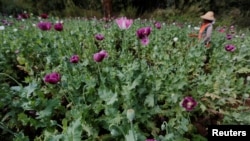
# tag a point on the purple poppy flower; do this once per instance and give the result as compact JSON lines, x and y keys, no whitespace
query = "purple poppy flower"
{"x":99,"y":56}
{"x":44,"y":25}
{"x":150,"y":140}
{"x":99,"y":37}
{"x":19,"y":17}
{"x":44,"y":16}
{"x":74,"y":59}
{"x":58,"y":26}
{"x":229,"y":36}
{"x":188,"y":103}
{"x":230,"y":48}
{"x":52,"y":78}
{"x":158,"y":25}
{"x":124,"y":23}
{"x":143,"y":32}
{"x":145,"y":41}
{"x":24,"y":15}
{"x":5,"y":22}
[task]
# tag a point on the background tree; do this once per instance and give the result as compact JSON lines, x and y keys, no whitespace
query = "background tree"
{"x":238,"y":10}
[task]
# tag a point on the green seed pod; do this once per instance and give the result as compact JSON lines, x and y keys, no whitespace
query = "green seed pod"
{"x":130,"y":114}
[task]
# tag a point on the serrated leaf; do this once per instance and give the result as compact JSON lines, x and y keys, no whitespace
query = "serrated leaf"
{"x":174,"y":97}
{"x":30,"y":89}
{"x":149,"y":100}
{"x":88,"y":129}
{"x":203,"y":107}
{"x":158,"y":84}
{"x":112,"y":100}
{"x":51,"y":104}
{"x":16,"y":88}
{"x":134,"y":83}
{"x":213,"y":96}
{"x":65,"y":124}
{"x":74,"y":131}
{"x":108,"y":96}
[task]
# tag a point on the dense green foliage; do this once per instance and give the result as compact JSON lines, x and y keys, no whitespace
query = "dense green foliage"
{"x":92,"y":99}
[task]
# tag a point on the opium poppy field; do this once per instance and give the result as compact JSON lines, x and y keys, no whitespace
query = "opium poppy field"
{"x":78,"y":79}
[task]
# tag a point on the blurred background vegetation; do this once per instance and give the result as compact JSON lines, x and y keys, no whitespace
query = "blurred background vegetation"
{"x":227,"y":12}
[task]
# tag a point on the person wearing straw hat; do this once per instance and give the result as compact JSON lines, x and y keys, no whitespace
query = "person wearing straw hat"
{"x":206,"y":28}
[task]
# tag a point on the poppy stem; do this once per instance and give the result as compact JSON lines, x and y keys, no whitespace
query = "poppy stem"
{"x":132,"y":129}
{"x":189,"y":118}
{"x":11,"y":78}
{"x":99,"y":71}
{"x":165,"y":124}
{"x":2,"y":126}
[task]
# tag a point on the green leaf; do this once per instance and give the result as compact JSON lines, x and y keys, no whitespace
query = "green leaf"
{"x":135,"y":83}
{"x":203,"y":107}
{"x":51,"y":104}
{"x":88,"y":129}
{"x":74,"y":131}
{"x":30,"y":89}
{"x":149,"y":100}
{"x":108,"y":96}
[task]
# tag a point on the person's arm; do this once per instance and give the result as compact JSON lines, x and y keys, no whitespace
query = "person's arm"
{"x":207,"y":38}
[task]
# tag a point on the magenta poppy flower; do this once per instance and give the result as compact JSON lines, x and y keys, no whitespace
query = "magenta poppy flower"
{"x":145,"y":41}
{"x":19,"y":17}
{"x":52,"y":78}
{"x":229,"y":36}
{"x":44,"y":16}
{"x":74,"y":59}
{"x":99,"y":37}
{"x":5,"y":22}
{"x":24,"y":15}
{"x":99,"y":56}
{"x":188,"y":103}
{"x":158,"y":25}
{"x":151,"y":140}
{"x":124,"y":23}
{"x":143,"y":32}
{"x":44,"y":25}
{"x":230,"y":48}
{"x":58,"y":27}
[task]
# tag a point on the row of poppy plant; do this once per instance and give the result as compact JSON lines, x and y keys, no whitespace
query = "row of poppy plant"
{"x":188,"y":103}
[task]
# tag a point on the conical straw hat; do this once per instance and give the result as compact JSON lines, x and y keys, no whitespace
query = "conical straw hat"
{"x":208,"y":16}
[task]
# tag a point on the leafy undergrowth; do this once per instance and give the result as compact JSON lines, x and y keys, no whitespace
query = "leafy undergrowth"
{"x":91,"y":98}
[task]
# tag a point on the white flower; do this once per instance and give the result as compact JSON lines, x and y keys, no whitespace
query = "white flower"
{"x":196,"y":28}
{"x":15,"y":30}
{"x":2,"y":27}
{"x":189,"y":26}
{"x":175,"y":39}
{"x":248,"y":78}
